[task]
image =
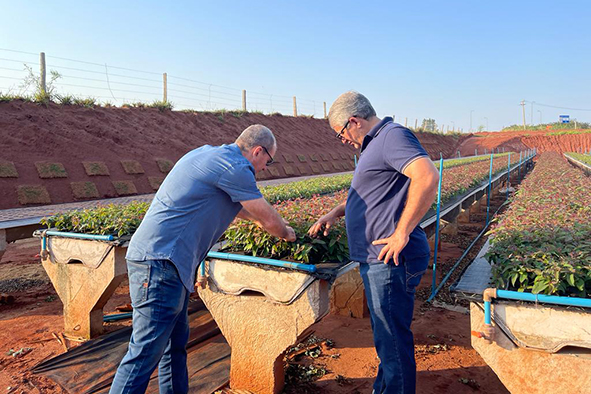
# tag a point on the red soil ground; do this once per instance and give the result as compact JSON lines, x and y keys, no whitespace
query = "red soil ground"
{"x":442,"y":337}
{"x":69,"y":135}
{"x":521,"y":140}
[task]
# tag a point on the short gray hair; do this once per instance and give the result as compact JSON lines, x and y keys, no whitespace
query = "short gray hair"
{"x":256,"y":135}
{"x":349,"y":104}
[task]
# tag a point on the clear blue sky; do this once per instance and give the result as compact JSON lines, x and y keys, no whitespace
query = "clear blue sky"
{"x":438,"y":59}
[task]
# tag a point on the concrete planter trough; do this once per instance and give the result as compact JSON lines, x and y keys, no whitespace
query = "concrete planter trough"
{"x":84,"y":273}
{"x":263,"y":310}
{"x":537,"y":346}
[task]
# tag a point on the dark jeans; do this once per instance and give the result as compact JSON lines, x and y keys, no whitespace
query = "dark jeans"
{"x":390,"y":296}
{"x":160,"y":330}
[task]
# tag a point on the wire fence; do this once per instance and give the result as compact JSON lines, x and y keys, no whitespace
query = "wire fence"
{"x":116,"y":85}
{"x":20,"y":72}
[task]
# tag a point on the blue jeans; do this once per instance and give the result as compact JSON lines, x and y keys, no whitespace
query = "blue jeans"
{"x":160,"y":330}
{"x":390,"y":292}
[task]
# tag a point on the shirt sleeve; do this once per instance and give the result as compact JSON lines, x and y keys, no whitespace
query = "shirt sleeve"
{"x":239,"y":183}
{"x":402,"y":147}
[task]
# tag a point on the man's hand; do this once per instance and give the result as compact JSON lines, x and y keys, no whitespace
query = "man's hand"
{"x":393,"y":246}
{"x":327,"y":220}
{"x":291,"y":236}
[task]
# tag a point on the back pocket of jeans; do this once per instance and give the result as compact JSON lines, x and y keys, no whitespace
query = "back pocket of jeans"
{"x":415,"y":268}
{"x":139,"y":281}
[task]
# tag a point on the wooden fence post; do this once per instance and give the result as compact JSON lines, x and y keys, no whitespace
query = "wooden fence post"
{"x":244,"y":100}
{"x":43,"y":70}
{"x":295,"y":107}
{"x":165,"y":87}
{"x":324,"y":109}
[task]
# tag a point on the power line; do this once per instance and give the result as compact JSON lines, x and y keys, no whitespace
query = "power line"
{"x":555,"y":106}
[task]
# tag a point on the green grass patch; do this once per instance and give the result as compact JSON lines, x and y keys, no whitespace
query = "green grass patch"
{"x":164,"y":165}
{"x":51,"y":170}
{"x":124,"y":188}
{"x":95,"y":168}
{"x":32,"y":194}
{"x":132,"y":167}
{"x":84,"y":190}
{"x":8,"y":170}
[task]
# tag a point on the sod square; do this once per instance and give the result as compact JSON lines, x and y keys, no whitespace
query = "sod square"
{"x":48,"y":170}
{"x":155,"y":181}
{"x":334,"y":155}
{"x":83,"y":190}
{"x":324,"y":156}
{"x":124,"y":188}
{"x":303,"y":170}
{"x":132,"y":167}
{"x":32,"y":194}
{"x":95,"y":168}
{"x":289,"y":170}
{"x":164,"y":165}
{"x":325,"y":167}
{"x":287,"y":158}
{"x":337,"y":166}
{"x":274,"y":171}
{"x":8,"y":170}
{"x":302,"y":158}
{"x":314,"y":157}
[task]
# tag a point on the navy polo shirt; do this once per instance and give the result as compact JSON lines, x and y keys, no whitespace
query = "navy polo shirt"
{"x":193,"y":207}
{"x":378,"y":192}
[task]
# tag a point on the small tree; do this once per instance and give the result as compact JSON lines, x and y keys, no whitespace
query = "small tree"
{"x":41,"y":95}
{"x":429,"y":125}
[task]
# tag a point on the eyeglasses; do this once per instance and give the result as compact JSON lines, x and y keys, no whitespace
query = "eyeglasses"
{"x":340,"y":134}
{"x":271,"y":161}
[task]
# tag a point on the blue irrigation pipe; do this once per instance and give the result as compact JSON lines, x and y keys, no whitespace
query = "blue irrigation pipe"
{"x":80,"y":235}
{"x":118,"y":316}
{"x":491,"y":293}
{"x":452,"y":269}
{"x":261,"y":260}
{"x":508,"y":173}
{"x":437,"y":227}
{"x":489,"y":189}
{"x":355,"y":159}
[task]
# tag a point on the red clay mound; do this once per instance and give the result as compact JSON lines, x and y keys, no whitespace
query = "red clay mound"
{"x":544,"y":141}
{"x":85,"y":152}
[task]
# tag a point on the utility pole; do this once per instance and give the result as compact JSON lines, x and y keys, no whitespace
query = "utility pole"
{"x":523,"y":107}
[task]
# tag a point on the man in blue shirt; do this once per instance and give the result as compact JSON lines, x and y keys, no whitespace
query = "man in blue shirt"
{"x":202,"y":194}
{"x":393,"y":187}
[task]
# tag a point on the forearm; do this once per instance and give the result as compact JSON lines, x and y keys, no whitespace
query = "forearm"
{"x":420,"y":196}
{"x":339,"y":210}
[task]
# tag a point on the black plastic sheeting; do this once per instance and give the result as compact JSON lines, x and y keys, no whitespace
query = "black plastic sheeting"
{"x":90,"y":368}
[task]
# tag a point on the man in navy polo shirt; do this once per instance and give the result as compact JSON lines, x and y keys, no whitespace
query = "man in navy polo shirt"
{"x":202,"y":194}
{"x":393,"y":187}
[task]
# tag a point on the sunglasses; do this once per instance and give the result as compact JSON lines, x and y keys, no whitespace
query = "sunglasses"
{"x":271,"y":161}
{"x":340,"y":134}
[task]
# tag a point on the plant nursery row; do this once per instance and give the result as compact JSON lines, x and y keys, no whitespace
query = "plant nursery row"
{"x":542,"y":243}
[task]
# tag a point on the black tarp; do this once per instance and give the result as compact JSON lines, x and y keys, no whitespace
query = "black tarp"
{"x":90,"y":368}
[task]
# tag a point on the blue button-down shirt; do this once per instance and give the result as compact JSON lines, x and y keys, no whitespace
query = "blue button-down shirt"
{"x":379,"y":190}
{"x":193,"y":207}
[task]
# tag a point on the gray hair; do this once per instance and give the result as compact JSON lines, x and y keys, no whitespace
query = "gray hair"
{"x":256,"y":135}
{"x":349,"y":104}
